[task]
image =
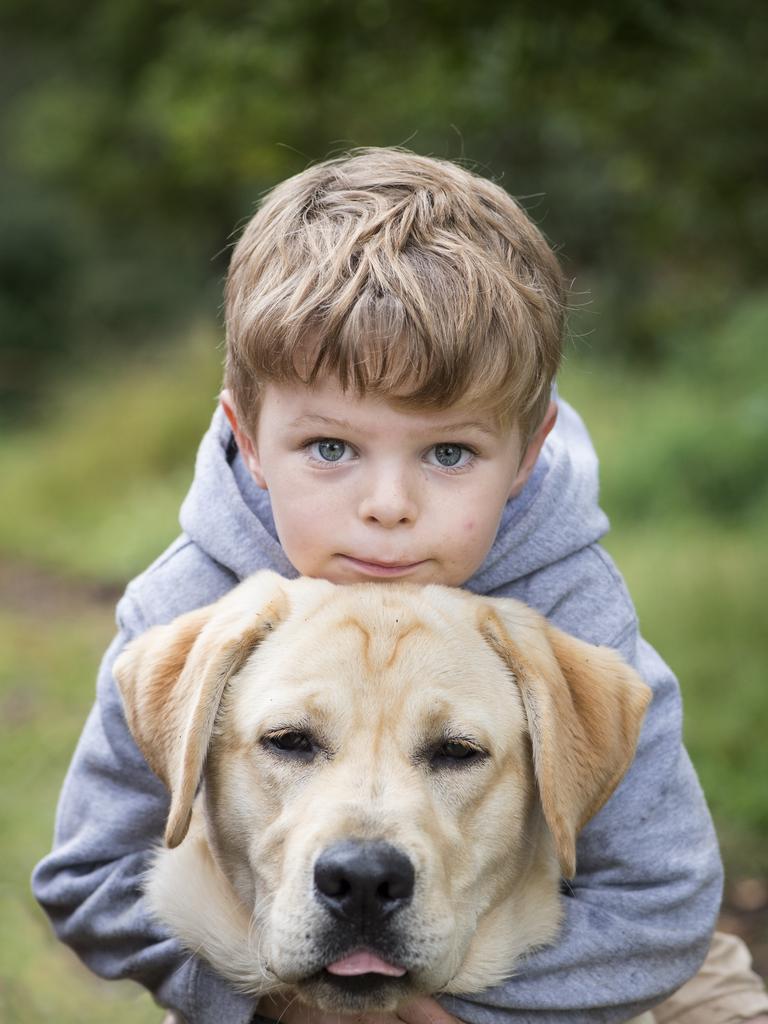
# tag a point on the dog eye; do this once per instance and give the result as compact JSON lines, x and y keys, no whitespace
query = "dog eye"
{"x":456,"y":753}
{"x":295,"y":743}
{"x":459,"y":751}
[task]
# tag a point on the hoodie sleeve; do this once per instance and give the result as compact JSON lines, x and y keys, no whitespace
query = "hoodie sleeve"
{"x":111,"y":812}
{"x":640,"y":912}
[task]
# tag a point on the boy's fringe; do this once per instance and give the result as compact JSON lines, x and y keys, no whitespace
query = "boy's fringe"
{"x":402,"y":276}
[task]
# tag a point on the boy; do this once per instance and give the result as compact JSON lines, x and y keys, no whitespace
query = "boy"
{"x":394,"y":326}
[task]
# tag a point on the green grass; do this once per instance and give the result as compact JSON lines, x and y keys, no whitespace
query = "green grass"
{"x":46,"y":688}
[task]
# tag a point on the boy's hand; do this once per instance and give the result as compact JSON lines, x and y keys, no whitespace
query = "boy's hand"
{"x":423,"y":1010}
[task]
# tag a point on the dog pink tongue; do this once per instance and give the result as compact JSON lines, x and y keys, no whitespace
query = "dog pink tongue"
{"x":364,"y":963}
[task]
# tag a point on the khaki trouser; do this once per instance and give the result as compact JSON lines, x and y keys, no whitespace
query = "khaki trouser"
{"x":725,"y":991}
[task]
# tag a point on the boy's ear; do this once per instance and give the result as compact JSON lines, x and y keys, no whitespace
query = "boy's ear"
{"x":172,"y":679}
{"x":248,"y":449}
{"x":584,"y":707}
{"x":533,"y":449}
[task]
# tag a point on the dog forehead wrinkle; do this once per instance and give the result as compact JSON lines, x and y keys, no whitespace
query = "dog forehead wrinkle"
{"x":381,"y":637}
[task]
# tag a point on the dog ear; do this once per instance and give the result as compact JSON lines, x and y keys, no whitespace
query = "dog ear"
{"x":584,"y":707}
{"x":172,"y":679}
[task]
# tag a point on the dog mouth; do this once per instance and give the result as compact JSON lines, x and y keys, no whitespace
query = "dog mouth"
{"x":359,"y":981}
{"x":364,"y":962}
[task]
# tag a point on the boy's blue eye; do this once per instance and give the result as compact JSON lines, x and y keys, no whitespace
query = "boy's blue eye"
{"x":451,"y":456}
{"x":330,"y":450}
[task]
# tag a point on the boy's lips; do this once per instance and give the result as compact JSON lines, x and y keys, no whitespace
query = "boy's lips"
{"x":382,"y":568}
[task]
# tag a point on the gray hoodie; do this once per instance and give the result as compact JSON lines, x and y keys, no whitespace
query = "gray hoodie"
{"x":638,"y":914}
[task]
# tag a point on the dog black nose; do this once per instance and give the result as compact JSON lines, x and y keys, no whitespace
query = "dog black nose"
{"x":363,"y":882}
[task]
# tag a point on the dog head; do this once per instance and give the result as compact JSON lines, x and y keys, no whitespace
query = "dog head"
{"x":394,"y":779}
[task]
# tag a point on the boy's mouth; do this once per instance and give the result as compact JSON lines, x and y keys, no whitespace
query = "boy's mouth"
{"x":382,"y":569}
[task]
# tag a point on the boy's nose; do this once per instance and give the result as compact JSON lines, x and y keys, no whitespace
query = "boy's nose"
{"x":388,"y":501}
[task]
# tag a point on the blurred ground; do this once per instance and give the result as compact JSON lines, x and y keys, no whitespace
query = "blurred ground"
{"x":745,"y":913}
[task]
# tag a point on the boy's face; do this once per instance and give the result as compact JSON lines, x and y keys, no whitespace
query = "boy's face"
{"x":362,"y":490}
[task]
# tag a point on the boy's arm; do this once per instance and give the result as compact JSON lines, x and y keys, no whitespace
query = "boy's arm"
{"x":112,"y":810}
{"x":640,"y":911}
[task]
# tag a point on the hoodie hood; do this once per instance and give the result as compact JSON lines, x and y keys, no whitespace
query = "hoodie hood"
{"x":555,"y":515}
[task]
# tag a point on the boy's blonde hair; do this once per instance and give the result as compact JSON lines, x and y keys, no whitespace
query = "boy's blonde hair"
{"x":403,"y":276}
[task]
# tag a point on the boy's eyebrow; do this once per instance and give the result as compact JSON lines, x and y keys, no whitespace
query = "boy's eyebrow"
{"x":484,"y":428}
{"x":311,"y":419}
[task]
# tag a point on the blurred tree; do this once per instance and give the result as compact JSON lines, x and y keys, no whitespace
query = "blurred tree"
{"x":636,"y":132}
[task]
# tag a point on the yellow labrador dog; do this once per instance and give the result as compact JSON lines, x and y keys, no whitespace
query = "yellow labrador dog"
{"x":375,"y":790}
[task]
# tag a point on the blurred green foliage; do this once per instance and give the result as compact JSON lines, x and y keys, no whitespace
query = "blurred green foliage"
{"x":94,"y":490}
{"x":695,"y":438}
{"x":136,"y":133}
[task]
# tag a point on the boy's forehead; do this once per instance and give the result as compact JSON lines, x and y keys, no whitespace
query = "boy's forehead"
{"x":326,"y":403}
